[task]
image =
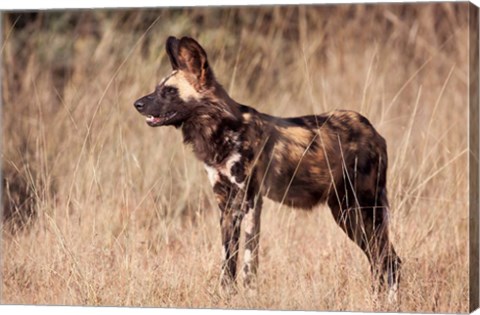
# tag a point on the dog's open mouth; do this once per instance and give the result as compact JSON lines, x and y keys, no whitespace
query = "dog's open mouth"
{"x":160,"y":120}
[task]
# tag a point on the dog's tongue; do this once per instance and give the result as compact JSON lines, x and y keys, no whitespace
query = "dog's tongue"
{"x":161,"y":119}
{"x":152,"y":119}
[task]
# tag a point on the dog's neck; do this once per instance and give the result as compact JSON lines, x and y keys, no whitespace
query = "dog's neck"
{"x":214,"y":129}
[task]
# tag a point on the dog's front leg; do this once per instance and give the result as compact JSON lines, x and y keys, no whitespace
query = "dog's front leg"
{"x":252,"y":237}
{"x":229,"y":198}
{"x":230,"y":223}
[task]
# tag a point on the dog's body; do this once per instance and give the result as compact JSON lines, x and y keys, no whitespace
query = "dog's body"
{"x":336,"y":158}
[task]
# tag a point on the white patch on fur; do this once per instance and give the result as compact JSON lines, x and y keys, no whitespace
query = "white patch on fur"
{"x":392,"y":294}
{"x":247,"y":117}
{"x":247,"y":257}
{"x":224,"y":253}
{"x":250,"y":221}
{"x":186,"y":91}
{"x":248,"y":276}
{"x":224,"y":169}
{"x":227,"y":169}
{"x":212,"y":174}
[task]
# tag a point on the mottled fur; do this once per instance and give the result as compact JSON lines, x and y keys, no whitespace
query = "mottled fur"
{"x":336,"y":158}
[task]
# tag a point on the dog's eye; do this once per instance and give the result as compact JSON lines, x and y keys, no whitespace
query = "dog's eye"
{"x":168,"y":90}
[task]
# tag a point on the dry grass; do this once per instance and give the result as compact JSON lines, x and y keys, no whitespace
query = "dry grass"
{"x":124,"y":214}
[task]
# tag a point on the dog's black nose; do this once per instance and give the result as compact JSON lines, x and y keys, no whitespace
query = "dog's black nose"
{"x":139,"y":104}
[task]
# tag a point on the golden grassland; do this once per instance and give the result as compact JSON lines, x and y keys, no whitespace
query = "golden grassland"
{"x":123,"y":213}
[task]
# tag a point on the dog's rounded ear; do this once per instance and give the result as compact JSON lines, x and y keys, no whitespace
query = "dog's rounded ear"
{"x":172,"y":51}
{"x":193,"y":59}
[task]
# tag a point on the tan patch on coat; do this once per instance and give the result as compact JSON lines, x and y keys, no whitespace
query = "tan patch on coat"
{"x":299,"y":135}
{"x":186,"y":90}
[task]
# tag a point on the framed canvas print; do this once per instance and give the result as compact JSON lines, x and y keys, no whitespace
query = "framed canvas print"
{"x":277,"y":157}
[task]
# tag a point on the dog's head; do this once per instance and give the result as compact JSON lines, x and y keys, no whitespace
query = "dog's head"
{"x":176,"y":97}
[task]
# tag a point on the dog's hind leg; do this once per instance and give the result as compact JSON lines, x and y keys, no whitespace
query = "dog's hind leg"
{"x":367,"y":225}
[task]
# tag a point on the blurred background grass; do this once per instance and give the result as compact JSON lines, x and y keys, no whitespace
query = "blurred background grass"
{"x":100,"y":209}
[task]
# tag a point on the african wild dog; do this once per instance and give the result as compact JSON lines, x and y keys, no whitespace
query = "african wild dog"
{"x":336,"y":158}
